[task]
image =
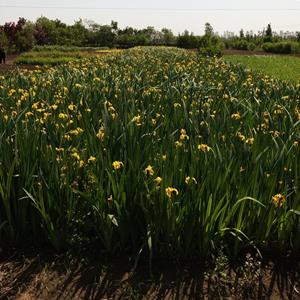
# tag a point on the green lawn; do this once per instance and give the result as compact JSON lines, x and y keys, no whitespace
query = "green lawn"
{"x":49,"y":57}
{"x":281,"y":67}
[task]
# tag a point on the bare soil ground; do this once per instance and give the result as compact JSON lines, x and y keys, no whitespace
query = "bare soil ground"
{"x":57,"y":278}
{"x":10,"y":66}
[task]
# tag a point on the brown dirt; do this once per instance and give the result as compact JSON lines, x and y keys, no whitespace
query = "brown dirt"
{"x":10,"y":66}
{"x":57,"y":278}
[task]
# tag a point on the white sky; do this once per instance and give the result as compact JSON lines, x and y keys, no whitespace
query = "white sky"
{"x":224,"y":15}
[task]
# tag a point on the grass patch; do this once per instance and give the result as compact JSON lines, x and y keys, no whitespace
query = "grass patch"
{"x":59,"y":55}
{"x":49,"y":57}
{"x":66,"y":48}
{"x":280,"y":67}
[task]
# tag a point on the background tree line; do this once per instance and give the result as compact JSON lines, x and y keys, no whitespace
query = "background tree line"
{"x":23,"y":35}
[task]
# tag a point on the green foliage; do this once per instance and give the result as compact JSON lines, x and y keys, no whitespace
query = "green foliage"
{"x":268,"y":34}
{"x":208,"y":30}
{"x":51,"y":61}
{"x":25,"y":38}
{"x":55,"y":31}
{"x":3,"y":40}
{"x":281,"y":47}
{"x":211,"y":46}
{"x":153,"y":151}
{"x":58,"y":48}
{"x":48,"y":57}
{"x":241,"y":282}
{"x":188,"y":41}
{"x":211,"y":50}
{"x":280,"y":67}
{"x":242,"y":44}
{"x":128,"y":41}
{"x":24,"y":35}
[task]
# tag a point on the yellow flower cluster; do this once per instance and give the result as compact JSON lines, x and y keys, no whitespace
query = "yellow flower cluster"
{"x":171,"y":191}
{"x":149,"y":170}
{"x":278,"y":200}
{"x":204,"y":148}
{"x":182,"y":138}
{"x":137,"y":120}
{"x":117,"y":165}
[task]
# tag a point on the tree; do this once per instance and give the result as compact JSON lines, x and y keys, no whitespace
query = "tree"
{"x":19,"y":36}
{"x":249,"y":35}
{"x":3,"y":38}
{"x":78,"y":33}
{"x":55,"y":31}
{"x":208,"y":30}
{"x":153,"y":36}
{"x":46,"y":31}
{"x":101,"y":35}
{"x":40,"y":35}
{"x":25,"y":39}
{"x":242,"y":35}
{"x":187,"y":40}
{"x":114,"y":26}
{"x":128,"y":30}
{"x":10,"y":31}
{"x":168,"y":37}
{"x":269,"y":31}
{"x":268,"y":34}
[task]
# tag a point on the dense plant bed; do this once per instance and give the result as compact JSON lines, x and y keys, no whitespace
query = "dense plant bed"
{"x":152,"y":150}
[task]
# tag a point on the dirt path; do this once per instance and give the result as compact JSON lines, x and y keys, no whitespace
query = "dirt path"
{"x":10,"y":66}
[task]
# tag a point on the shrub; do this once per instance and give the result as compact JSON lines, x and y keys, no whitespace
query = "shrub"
{"x":243,"y":45}
{"x":211,"y":46}
{"x":129,"y":41}
{"x":281,"y":47}
{"x":188,"y":41}
{"x":211,"y":50}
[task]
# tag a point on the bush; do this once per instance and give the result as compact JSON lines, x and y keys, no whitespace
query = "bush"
{"x":211,"y":50}
{"x":211,"y":46}
{"x":129,"y":41}
{"x":188,"y":41}
{"x":243,"y":45}
{"x":281,"y":47}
